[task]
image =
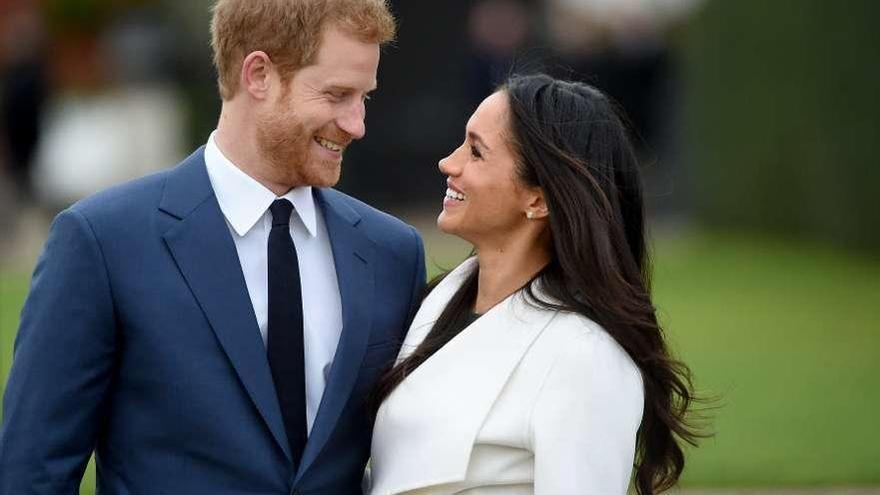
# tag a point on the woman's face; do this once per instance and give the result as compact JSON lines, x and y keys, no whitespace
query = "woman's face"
{"x":485,"y":202}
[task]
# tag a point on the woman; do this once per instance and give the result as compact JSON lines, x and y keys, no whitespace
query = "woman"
{"x":538,"y":365}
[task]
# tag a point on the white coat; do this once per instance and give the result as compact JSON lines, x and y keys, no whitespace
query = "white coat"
{"x":525,"y":400}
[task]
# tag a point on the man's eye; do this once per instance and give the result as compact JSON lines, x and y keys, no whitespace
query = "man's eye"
{"x":475,"y":152}
{"x":336,"y":95}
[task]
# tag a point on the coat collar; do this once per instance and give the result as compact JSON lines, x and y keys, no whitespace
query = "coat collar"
{"x":187,"y":186}
{"x":353,"y":254}
{"x":445,"y":401}
{"x":202,"y":247}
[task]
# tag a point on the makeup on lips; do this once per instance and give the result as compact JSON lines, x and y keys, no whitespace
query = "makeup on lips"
{"x":453,"y":196}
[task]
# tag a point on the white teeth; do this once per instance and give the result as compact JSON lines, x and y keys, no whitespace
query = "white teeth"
{"x":330,"y":145}
{"x":455,"y":195}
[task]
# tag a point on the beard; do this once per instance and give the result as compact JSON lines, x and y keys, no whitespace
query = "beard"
{"x":286,"y":147}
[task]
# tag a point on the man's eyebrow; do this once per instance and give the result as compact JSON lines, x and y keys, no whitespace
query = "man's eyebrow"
{"x":342,"y":87}
{"x":473,"y":136}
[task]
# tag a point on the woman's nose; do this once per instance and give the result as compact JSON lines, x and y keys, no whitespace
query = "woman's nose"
{"x":447,"y":165}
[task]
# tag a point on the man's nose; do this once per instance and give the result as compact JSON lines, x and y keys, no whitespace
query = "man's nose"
{"x":352,"y":121}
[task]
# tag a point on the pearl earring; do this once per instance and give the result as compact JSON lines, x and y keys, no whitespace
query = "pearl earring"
{"x":530,"y":215}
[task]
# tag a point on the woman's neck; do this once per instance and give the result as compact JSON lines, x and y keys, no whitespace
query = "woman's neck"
{"x":505,"y":270}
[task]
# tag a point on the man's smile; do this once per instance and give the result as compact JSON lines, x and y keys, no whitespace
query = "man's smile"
{"x":330,"y":145}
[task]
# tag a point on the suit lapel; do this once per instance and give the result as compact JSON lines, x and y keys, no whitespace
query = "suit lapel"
{"x":352,"y":255}
{"x":445,"y":401}
{"x":205,"y":253}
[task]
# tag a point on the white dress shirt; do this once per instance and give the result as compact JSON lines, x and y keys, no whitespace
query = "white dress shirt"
{"x":245,"y":205}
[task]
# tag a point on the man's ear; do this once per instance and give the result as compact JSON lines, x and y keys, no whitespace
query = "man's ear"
{"x":256,"y":74}
{"x":536,"y":206}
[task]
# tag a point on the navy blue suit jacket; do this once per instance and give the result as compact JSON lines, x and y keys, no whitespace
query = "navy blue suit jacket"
{"x":138,"y":341}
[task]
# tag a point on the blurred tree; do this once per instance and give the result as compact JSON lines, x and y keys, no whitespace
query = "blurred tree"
{"x":75,"y":27}
{"x":83,"y":17}
{"x":782,"y":117}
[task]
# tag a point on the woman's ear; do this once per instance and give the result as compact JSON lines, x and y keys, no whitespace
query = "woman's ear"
{"x":256,"y":74}
{"x":536,"y":207}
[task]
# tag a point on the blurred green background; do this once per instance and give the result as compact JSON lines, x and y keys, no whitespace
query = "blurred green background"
{"x":782,"y":118}
{"x":767,"y":274}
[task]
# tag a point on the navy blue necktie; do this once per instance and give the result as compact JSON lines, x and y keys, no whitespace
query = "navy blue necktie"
{"x":285,"y":334}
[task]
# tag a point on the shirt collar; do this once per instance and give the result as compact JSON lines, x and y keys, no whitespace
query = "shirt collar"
{"x":243,"y":200}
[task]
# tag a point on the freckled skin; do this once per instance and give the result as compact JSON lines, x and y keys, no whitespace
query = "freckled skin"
{"x":323,"y":100}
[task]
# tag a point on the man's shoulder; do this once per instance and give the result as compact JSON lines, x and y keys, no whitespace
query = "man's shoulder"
{"x":131,"y":200}
{"x":128,"y":194}
{"x":373,"y":217}
{"x":384,"y":229}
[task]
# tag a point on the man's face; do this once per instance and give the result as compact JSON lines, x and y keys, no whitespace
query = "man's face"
{"x":309,"y":122}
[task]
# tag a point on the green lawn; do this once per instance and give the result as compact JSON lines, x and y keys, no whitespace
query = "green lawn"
{"x":13,"y":289}
{"x":787,"y":335}
{"x":790,"y":337}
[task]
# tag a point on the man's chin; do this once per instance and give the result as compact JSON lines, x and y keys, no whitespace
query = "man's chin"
{"x":325,"y":183}
{"x":325,"y":176}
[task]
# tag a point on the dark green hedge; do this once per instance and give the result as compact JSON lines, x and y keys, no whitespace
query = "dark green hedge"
{"x":782,"y":117}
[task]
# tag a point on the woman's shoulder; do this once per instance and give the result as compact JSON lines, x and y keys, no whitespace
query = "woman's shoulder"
{"x":581,"y":345}
{"x":570,"y":329}
{"x":576,"y":331}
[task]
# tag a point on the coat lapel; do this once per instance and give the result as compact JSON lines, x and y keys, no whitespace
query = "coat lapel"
{"x":352,"y":255}
{"x":205,"y":253}
{"x":445,"y":401}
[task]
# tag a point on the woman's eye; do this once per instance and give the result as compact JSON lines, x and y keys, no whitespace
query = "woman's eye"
{"x":475,"y":152}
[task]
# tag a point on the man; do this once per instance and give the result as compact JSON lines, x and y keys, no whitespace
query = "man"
{"x":216,"y":328}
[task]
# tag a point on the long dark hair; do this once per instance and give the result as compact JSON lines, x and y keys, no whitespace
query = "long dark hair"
{"x":572,"y":142}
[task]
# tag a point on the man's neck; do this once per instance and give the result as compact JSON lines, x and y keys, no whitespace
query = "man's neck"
{"x":237,"y":141}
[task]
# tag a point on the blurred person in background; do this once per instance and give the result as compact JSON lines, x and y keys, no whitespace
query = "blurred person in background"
{"x":538,"y":365}
{"x":624,"y":48}
{"x":214,"y":328}
{"x":23,"y":93}
{"x":24,"y":87}
{"x":117,"y":111}
{"x":497,"y":31}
